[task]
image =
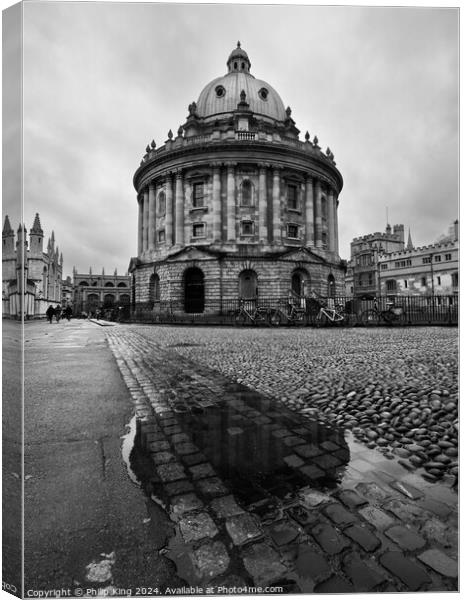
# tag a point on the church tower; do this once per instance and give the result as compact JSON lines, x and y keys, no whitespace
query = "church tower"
{"x":36,"y":238}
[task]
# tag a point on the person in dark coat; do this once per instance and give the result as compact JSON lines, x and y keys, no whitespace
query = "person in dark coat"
{"x":58,"y":313}
{"x":50,"y":312}
{"x":68,"y":312}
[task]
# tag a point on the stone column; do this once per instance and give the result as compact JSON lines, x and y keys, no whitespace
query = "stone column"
{"x":318,"y":227}
{"x":152,"y":208}
{"x":145,"y":243}
{"x":231,"y":204}
{"x":262,"y":205}
{"x":179,"y":209}
{"x":216,"y":204}
{"x":309,"y":219}
{"x":140,"y":224}
{"x":336,"y":226}
{"x":169,"y":211}
{"x":276,"y":207}
{"x":331,"y":211}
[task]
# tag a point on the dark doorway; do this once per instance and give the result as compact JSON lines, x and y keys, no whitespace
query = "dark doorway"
{"x":194,"y":291}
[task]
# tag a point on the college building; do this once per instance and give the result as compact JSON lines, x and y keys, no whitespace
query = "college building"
{"x":31,"y":276}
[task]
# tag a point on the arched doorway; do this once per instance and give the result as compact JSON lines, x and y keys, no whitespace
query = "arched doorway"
{"x":300,"y":283}
{"x":194,"y":291}
{"x":248,"y":287}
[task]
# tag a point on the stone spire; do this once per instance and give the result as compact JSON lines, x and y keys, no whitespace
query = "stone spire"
{"x":7,"y":230}
{"x":409,"y":241}
{"x":36,"y":228}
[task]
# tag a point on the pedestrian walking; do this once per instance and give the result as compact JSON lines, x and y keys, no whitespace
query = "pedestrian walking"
{"x":50,"y":312}
{"x":58,"y":313}
{"x":68,"y":312}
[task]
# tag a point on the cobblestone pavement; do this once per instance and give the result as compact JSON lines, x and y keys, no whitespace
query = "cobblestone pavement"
{"x":264,"y":495}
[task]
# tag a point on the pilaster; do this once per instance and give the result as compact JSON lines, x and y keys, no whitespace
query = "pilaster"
{"x":151,"y":226}
{"x":231,"y":203}
{"x":309,"y":217}
{"x":216,"y":203}
{"x":262,"y":204}
{"x":276,"y":206}
{"x":179,"y":209}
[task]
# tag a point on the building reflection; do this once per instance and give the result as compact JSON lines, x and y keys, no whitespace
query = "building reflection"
{"x":260,"y":447}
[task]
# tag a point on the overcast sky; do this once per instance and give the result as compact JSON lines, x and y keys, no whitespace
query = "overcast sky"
{"x":379,"y":86}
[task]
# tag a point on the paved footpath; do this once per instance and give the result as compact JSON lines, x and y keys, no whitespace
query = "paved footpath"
{"x":86,"y":523}
{"x":262,"y":496}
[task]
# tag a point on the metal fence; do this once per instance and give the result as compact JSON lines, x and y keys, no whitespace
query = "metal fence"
{"x":408,"y":310}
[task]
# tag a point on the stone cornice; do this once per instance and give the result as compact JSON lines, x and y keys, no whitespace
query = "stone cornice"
{"x":274,"y":154}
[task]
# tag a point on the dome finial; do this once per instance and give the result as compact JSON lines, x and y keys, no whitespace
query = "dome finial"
{"x":238,"y":44}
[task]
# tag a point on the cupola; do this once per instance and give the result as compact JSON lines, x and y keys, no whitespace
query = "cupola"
{"x":238,"y":61}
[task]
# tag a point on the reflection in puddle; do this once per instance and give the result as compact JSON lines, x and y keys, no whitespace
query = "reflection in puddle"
{"x":259,"y":451}
{"x":272,"y":461}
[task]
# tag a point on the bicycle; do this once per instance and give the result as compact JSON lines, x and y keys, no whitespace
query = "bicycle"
{"x":374,"y":316}
{"x":259,"y":314}
{"x":294,"y":315}
{"x":326,"y":315}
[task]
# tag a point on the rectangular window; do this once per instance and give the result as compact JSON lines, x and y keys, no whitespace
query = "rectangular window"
{"x":293,"y":231}
{"x":384,"y":266}
{"x":198,"y":195}
{"x":439,"y":280}
{"x":455,"y":279}
{"x":324,"y":240}
{"x":161,"y":236}
{"x":437,"y":258}
{"x":448,"y":257}
{"x":391,"y":285}
{"x":426,"y":260}
{"x":292,"y":198}
{"x":198,"y":230}
{"x":405,"y":284}
{"x":423,"y":281}
{"x":247,"y":228}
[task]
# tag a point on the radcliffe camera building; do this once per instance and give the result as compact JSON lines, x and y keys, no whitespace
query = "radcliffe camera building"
{"x":235,"y":205}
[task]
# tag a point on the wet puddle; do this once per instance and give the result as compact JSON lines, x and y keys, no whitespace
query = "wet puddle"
{"x":269,"y":461}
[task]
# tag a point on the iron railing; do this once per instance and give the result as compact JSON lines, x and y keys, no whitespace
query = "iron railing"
{"x":410,"y":310}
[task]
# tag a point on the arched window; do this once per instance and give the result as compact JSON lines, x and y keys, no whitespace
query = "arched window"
{"x":122,"y":284}
{"x":246,"y":193}
{"x":125,"y":299}
{"x":248,"y":284}
{"x":109,"y":284}
{"x":154,"y":289}
{"x":331,"y":286}
{"x":92,"y":302}
{"x":109,"y":300}
{"x":83,"y":283}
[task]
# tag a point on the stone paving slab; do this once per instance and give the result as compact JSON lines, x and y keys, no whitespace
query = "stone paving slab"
{"x":262,"y":530}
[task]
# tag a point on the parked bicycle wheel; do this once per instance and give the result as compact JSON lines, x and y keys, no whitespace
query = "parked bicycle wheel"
{"x":321,"y":320}
{"x":241,"y":318}
{"x":389,"y":317}
{"x":369,"y":317}
{"x":349,"y":320}
{"x":275,"y":318}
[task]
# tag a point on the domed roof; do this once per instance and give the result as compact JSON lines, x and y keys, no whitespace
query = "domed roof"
{"x":223,"y":94}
